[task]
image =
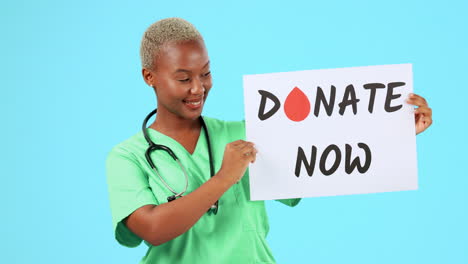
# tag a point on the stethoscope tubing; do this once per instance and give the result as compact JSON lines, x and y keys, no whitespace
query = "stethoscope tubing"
{"x":153,"y":146}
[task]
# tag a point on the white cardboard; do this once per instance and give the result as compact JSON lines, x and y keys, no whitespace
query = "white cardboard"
{"x":390,"y":136}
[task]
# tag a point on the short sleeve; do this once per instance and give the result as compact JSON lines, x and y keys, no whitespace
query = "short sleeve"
{"x":290,"y":202}
{"x":128,"y":190}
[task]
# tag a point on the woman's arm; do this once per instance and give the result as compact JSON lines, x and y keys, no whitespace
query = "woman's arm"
{"x":162,"y":223}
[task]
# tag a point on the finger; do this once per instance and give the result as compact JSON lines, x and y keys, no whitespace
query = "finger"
{"x":254,"y":156}
{"x":426,"y":120}
{"x":240,"y":144}
{"x":416,"y":96}
{"x":237,"y":142}
{"x":423,"y":110}
{"x":249,"y":151}
{"x":417,"y":100}
{"x":423,"y":123}
{"x":422,"y":118}
{"x":245,"y":145}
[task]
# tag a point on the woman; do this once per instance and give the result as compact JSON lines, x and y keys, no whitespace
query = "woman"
{"x":209,"y":218}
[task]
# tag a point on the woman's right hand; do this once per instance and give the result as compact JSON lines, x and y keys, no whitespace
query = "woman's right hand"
{"x":237,"y":156}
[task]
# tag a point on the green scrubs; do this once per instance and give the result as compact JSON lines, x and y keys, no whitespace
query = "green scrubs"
{"x":237,"y":234}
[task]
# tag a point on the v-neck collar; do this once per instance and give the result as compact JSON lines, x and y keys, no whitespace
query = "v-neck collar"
{"x":167,"y":140}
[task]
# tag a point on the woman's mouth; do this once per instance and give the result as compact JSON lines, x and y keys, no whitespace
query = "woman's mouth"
{"x":193,"y":104}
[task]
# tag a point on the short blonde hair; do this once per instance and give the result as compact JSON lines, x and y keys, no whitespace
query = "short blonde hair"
{"x":162,"y":32}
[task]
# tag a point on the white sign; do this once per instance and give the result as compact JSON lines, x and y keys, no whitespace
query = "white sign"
{"x":331,"y":132}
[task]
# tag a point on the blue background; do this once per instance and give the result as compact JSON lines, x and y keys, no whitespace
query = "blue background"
{"x":71,"y":89}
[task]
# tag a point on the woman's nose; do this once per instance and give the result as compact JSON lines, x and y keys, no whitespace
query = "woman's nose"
{"x":197,"y":87}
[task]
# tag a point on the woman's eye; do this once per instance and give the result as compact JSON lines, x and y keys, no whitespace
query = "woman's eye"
{"x":184,"y":80}
{"x":207,"y":74}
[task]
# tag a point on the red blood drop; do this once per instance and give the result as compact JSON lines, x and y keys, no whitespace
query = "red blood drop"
{"x":297,"y":105}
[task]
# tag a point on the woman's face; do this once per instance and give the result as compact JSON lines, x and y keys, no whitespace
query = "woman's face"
{"x":181,"y":79}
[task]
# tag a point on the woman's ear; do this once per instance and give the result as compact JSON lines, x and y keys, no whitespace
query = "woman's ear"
{"x":148,"y":77}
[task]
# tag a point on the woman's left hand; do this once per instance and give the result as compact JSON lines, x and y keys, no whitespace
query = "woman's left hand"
{"x":422,"y":114}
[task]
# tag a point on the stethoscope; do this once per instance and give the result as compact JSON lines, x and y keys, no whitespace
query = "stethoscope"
{"x":153,"y":146}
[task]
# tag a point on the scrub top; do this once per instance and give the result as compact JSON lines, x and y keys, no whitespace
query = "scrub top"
{"x":237,"y":234}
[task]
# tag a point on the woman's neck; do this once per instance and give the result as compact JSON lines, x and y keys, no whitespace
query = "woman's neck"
{"x":184,"y":131}
{"x":174,"y":126}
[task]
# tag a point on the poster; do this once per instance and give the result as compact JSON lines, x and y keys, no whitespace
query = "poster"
{"x":331,"y":132}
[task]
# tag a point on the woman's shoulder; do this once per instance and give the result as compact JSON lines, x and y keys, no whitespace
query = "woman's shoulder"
{"x":132,"y":144}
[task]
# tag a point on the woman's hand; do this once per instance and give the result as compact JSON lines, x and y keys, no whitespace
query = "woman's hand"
{"x":422,"y":114}
{"x":237,"y":156}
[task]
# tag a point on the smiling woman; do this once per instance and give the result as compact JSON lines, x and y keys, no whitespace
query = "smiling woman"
{"x":182,"y":191}
{"x":181,"y":197}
